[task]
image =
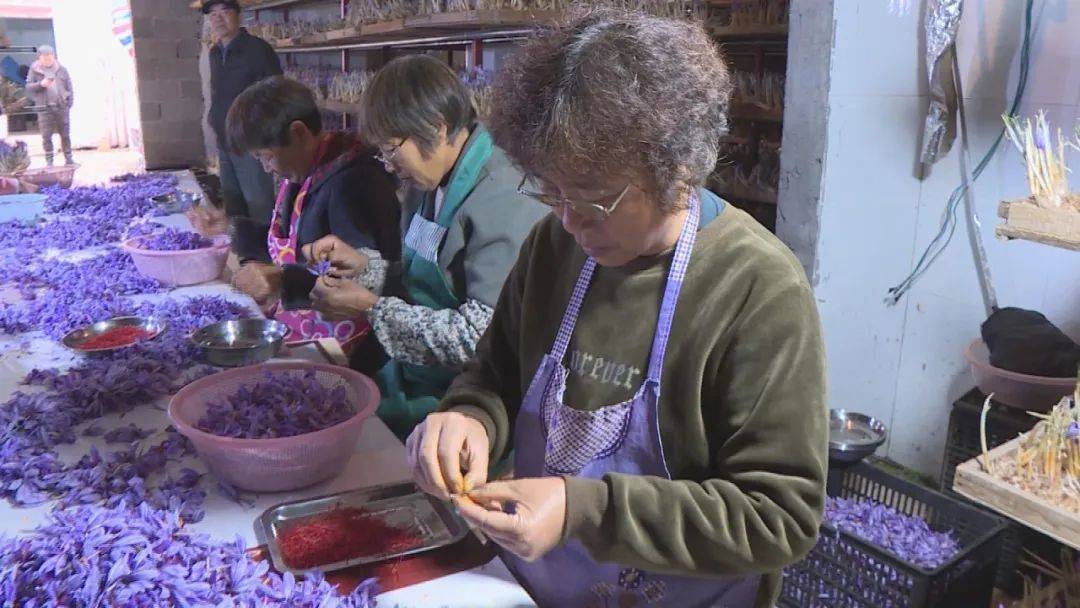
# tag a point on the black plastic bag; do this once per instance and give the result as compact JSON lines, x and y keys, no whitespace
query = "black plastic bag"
{"x":1026,"y":342}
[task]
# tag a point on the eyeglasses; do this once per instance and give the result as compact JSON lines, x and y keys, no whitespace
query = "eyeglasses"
{"x":387,"y":158}
{"x":592,"y":210}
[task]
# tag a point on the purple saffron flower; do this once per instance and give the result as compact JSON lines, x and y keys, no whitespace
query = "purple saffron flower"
{"x":171,"y":239}
{"x":127,"y":434}
{"x":907,"y":536}
{"x":320,"y":268}
{"x":281,"y":404}
{"x":96,"y":548}
{"x":141,"y":556}
{"x":1073,"y":431}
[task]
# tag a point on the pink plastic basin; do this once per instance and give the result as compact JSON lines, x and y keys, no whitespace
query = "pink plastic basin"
{"x":177,"y":268}
{"x":283,"y":463}
{"x":50,"y":176}
{"x":1036,"y":393}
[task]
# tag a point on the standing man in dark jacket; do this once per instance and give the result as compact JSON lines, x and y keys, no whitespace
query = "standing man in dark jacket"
{"x":49,"y":85}
{"x":237,"y":61}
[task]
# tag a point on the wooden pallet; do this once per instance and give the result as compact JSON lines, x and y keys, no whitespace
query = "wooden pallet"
{"x":1026,"y":220}
{"x":1035,"y":512}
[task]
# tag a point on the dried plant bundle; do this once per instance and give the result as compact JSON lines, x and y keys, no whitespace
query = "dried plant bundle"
{"x":1044,"y":160}
{"x":1047,"y":460}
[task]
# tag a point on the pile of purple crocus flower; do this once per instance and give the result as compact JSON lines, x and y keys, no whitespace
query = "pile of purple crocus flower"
{"x":97,"y":548}
{"x":119,"y":556}
{"x":280,"y":404}
{"x":171,"y":239}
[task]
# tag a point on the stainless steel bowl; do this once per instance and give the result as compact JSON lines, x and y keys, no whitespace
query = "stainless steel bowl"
{"x":243,"y":342}
{"x":853,"y":436}
{"x":175,"y":202}
{"x":75,"y":338}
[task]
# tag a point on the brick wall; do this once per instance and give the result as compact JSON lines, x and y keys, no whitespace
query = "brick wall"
{"x":167,"y":51}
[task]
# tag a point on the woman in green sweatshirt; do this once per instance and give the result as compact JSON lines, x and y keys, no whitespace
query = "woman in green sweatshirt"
{"x":655,"y":362}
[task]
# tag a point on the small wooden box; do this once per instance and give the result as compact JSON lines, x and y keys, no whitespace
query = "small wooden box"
{"x":1037,"y":513}
{"x":1026,"y":220}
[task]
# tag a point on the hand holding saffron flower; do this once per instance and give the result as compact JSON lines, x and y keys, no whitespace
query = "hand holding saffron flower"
{"x":344,"y":260}
{"x":340,"y":299}
{"x":320,"y":268}
{"x":260,"y":281}
{"x":208,"y":221}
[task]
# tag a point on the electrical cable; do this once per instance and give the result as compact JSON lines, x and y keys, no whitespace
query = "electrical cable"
{"x":945,"y":234}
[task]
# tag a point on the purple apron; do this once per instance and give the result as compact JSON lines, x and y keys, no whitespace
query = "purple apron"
{"x":554,"y":439}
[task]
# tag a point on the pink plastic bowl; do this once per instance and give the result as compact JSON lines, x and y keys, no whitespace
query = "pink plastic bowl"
{"x":180,"y":267}
{"x":1036,"y":393}
{"x":283,"y":463}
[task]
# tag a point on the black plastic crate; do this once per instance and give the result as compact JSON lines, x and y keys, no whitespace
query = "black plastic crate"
{"x":843,"y":571}
{"x":1003,"y":423}
{"x":962,"y":441}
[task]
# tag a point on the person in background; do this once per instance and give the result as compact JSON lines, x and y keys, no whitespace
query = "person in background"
{"x":655,"y":363}
{"x":49,"y":86}
{"x":463,"y":222}
{"x":10,"y":69}
{"x":237,"y":61}
{"x":332,"y":185}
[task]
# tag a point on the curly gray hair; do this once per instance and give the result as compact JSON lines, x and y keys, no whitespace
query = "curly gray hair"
{"x":614,"y":92}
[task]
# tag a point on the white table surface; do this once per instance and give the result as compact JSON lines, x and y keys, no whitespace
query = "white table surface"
{"x":379,"y":459}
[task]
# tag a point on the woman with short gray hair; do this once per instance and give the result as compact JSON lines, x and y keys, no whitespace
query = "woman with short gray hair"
{"x":463,"y":221}
{"x":696,"y":494}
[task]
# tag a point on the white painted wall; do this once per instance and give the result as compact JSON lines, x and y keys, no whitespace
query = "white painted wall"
{"x":904,"y":363}
{"x":102,"y":74}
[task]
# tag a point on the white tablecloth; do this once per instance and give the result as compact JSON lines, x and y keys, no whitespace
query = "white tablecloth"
{"x":379,"y":459}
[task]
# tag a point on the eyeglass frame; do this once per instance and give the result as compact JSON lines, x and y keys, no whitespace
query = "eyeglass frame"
{"x":547,"y":200}
{"x":388,"y":159}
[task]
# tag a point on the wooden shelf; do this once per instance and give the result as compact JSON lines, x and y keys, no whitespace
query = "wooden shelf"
{"x":749,"y":111}
{"x":765,"y":32}
{"x":339,"y":107}
{"x":256,"y":5}
{"x":467,"y":25}
{"x":483,"y":18}
{"x":1026,"y":220}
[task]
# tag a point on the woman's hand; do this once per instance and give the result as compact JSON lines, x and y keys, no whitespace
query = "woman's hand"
{"x":444,"y":447}
{"x":338,"y":299}
{"x":524,"y":516}
{"x":260,"y":281}
{"x":208,"y":221}
{"x":345,"y":261}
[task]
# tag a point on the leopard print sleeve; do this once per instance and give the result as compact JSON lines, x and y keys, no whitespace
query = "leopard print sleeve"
{"x":424,"y":336}
{"x":374,"y":278}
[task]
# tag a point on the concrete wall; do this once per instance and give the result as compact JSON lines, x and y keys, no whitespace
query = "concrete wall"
{"x":904,"y":363}
{"x":167,"y":60}
{"x":802,"y":157}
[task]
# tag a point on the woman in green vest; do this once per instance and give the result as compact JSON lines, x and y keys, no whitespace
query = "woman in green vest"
{"x":463,"y":223}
